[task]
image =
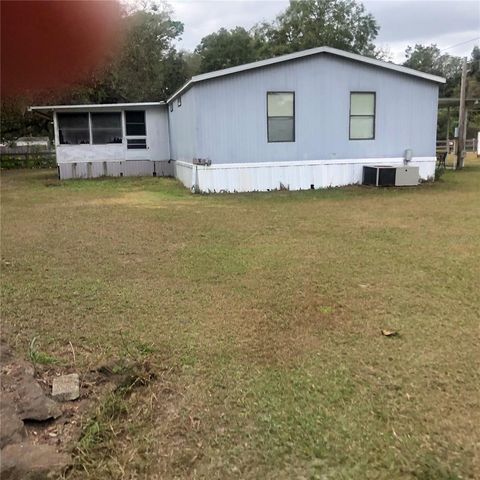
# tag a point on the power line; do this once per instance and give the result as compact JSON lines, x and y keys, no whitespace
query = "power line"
{"x":461,"y":43}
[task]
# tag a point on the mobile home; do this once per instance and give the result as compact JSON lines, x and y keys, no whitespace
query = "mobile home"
{"x":311,"y":119}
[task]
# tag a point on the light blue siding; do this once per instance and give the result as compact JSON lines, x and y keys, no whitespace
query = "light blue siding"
{"x":183,"y":128}
{"x":225,"y":119}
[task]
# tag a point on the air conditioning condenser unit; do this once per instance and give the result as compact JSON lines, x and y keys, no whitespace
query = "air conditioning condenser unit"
{"x":406,"y":176}
{"x":390,"y":176}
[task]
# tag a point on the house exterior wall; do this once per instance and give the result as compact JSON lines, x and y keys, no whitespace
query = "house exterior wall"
{"x":183,"y":124}
{"x":224,"y":120}
{"x":184,"y":136}
{"x":232,"y":113}
{"x":116,"y":159}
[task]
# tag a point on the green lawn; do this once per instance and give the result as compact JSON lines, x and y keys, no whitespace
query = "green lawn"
{"x":261,"y":317}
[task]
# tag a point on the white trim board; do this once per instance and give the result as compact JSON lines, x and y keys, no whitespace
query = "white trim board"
{"x":99,"y":106}
{"x":331,"y":161}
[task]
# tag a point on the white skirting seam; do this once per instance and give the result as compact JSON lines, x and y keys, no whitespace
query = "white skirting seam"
{"x":298,"y":175}
{"x":111,"y":168}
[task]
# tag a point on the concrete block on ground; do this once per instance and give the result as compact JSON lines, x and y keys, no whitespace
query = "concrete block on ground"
{"x":66,"y":387}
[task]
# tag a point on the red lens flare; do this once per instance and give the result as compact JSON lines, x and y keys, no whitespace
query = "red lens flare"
{"x":50,"y":44}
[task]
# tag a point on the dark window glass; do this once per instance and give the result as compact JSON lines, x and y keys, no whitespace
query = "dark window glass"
{"x":136,"y":143}
{"x":106,"y":128}
{"x":73,"y":128}
{"x":281,"y":116}
{"x":135,"y":122}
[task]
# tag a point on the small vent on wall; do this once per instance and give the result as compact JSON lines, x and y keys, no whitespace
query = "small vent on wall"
{"x":202,"y":161}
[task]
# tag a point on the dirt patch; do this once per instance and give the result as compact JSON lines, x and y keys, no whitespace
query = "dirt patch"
{"x":38,"y":434}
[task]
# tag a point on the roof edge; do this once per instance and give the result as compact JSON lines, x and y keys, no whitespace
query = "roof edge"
{"x":96,"y":106}
{"x":301,"y":54}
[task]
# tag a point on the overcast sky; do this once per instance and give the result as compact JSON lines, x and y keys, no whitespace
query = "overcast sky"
{"x":402,"y":22}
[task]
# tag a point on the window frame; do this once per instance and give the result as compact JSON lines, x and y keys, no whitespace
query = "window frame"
{"x":136,"y":137}
{"x":292,"y":92}
{"x":350,"y":116}
{"x":140,"y":135}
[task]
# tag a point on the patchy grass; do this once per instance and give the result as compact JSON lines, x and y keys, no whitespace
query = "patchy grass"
{"x":37,"y":357}
{"x":260,"y":316}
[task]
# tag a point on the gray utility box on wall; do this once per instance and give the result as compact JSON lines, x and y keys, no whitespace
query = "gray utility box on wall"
{"x":406,"y":176}
{"x":389,"y":176}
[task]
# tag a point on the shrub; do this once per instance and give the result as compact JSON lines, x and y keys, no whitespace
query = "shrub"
{"x":439,"y":171}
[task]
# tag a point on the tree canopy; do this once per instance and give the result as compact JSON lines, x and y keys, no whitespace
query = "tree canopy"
{"x":429,"y":59}
{"x":226,"y":48}
{"x":147,"y":65}
{"x":342,"y":24}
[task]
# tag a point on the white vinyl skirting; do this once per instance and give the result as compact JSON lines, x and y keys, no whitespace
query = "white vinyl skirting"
{"x":246,"y":177}
{"x":299,"y":175}
{"x":112,"y":168}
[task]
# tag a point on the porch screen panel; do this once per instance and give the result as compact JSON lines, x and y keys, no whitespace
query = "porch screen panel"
{"x":106,"y":128}
{"x":73,"y":128}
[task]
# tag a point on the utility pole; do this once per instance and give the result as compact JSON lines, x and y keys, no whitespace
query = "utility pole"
{"x":448,"y":130}
{"x":462,"y":117}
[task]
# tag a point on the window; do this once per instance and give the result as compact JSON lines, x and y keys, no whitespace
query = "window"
{"x":281,"y":116}
{"x":106,"y":128}
{"x":135,"y":122}
{"x":362,"y":115}
{"x":171,"y":106}
{"x":73,"y":128}
{"x":136,"y":143}
{"x":179,"y":101}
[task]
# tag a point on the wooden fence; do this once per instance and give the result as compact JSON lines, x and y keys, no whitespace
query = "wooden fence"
{"x":451,"y":146}
{"x":27,"y":157}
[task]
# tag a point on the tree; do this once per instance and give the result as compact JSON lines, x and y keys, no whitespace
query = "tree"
{"x":342,"y":24}
{"x":144,"y":67}
{"x":473,"y":91}
{"x":429,"y":59}
{"x":305,"y":24}
{"x":147,"y":66}
{"x":17,"y":122}
{"x":226,"y":48}
{"x":473,"y":87}
{"x":475,"y":59}
{"x":192,"y":63}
